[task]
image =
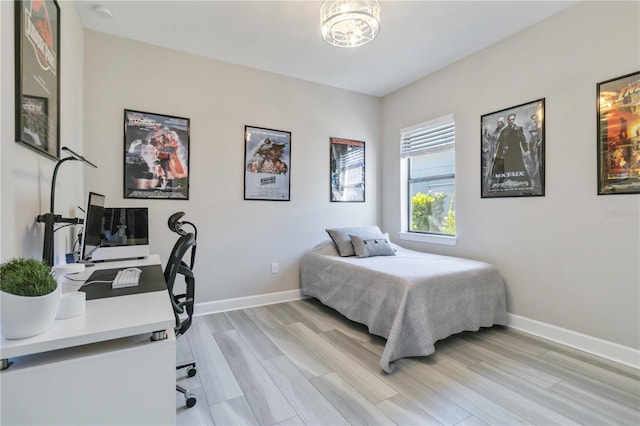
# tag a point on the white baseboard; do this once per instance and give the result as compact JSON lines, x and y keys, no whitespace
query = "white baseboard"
{"x":603,"y":348}
{"x":246,"y":302}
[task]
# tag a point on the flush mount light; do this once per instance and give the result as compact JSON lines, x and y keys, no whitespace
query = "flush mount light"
{"x":102,"y":11}
{"x":350,"y":23}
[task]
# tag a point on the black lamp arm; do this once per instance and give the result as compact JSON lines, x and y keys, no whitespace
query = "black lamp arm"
{"x":53,"y":181}
{"x":49,"y":219}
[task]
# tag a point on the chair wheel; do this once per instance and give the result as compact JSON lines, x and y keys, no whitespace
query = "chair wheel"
{"x":191,"y":372}
{"x":191,"y":401}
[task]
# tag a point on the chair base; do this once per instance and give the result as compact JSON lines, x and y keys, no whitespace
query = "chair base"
{"x":188,"y":396}
{"x":191,"y":368}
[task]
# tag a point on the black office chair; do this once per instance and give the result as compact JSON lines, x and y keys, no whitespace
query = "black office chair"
{"x":176,"y":226}
{"x":182,"y":303}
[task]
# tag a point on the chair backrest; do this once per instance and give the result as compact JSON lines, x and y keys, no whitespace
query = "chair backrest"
{"x":175,"y":224}
{"x":176,"y":266}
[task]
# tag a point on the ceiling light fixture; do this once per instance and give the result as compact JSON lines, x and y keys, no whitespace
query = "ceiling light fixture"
{"x":350,"y":23}
{"x":102,"y":11}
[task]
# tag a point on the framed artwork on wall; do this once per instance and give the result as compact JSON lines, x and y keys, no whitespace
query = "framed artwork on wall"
{"x":267,"y":164}
{"x":37,"y":66}
{"x":512,"y":145}
{"x":347,"y":171}
{"x":619,"y":135}
{"x":156,"y":156}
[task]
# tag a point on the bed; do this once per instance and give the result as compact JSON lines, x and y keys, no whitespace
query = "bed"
{"x":412,"y":299}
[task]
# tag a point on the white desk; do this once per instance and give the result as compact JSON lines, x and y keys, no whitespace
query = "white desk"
{"x":99,"y":367}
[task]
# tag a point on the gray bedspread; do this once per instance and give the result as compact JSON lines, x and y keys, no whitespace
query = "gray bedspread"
{"x":412,"y":299}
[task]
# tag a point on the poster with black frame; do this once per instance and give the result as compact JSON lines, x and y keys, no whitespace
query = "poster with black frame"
{"x":156,"y":156}
{"x":512,"y":151}
{"x":37,"y":78}
{"x":619,"y":135}
{"x":347,"y":174}
{"x":267,"y":164}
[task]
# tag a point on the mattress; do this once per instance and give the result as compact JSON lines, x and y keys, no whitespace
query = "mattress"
{"x":412,"y":299}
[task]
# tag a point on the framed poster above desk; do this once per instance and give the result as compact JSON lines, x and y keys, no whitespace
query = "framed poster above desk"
{"x":37,"y":64}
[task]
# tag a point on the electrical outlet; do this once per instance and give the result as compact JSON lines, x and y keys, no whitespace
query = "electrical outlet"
{"x":274,"y":268}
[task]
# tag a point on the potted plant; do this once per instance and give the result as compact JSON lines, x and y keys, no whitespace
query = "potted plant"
{"x":29,"y":298}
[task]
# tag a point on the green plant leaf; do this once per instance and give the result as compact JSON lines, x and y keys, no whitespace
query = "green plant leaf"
{"x":26,"y":277}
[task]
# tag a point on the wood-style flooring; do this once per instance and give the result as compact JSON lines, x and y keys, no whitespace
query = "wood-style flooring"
{"x":301,"y":363}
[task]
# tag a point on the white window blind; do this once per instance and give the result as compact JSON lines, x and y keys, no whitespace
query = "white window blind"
{"x":428,"y":136}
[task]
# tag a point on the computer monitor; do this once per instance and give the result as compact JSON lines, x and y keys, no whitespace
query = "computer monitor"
{"x":125,"y":234}
{"x":93,"y":219}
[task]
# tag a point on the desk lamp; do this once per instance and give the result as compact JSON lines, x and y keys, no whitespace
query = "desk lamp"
{"x":50,"y":219}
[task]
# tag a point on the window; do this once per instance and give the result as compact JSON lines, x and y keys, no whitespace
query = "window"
{"x":428,"y":156}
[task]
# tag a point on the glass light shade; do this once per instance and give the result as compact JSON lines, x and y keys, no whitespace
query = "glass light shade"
{"x":350,"y":23}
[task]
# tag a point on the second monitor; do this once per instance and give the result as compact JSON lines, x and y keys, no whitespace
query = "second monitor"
{"x":125,"y":234}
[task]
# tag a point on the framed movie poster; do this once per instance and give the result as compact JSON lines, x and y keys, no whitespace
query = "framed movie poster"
{"x":512,"y":145}
{"x":619,"y":135}
{"x":347,"y":170}
{"x":267,"y":164}
{"x":156,"y":156}
{"x":37,"y":65}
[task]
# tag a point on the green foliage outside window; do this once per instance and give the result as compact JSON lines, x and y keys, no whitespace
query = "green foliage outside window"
{"x":449,"y":221}
{"x":428,"y":213}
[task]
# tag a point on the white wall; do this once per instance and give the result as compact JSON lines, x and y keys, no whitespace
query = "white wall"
{"x":571,"y":258}
{"x":26,"y":175}
{"x":238,"y":240}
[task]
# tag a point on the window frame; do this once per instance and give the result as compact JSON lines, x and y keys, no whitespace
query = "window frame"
{"x":406,"y":181}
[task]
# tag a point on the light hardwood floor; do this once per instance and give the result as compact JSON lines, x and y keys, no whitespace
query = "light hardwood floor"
{"x":302,"y":363}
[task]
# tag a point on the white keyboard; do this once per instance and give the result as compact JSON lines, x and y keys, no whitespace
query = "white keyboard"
{"x":126,"y":278}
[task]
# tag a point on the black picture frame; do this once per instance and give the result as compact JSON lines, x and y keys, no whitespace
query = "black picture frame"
{"x":347,"y":171}
{"x":513,"y":155}
{"x":37,"y":79}
{"x":267,"y":164}
{"x":618,"y":104}
{"x":156,"y":156}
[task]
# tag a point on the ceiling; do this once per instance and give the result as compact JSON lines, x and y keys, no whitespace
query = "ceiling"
{"x":416,"y":37}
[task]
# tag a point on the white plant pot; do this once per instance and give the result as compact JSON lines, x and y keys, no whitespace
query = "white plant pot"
{"x":22,"y":316}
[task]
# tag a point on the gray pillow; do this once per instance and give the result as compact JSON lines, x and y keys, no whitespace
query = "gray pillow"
{"x":375,"y":245}
{"x":341,"y":237}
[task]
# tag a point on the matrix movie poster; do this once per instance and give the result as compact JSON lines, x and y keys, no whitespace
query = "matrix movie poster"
{"x":38,"y":75}
{"x":513,"y":144}
{"x":156,"y":156}
{"x":267,"y":164}
{"x":619,"y":135}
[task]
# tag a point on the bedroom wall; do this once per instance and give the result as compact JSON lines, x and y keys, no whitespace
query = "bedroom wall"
{"x":570,"y":258}
{"x":238,"y":240}
{"x":25,"y":176}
